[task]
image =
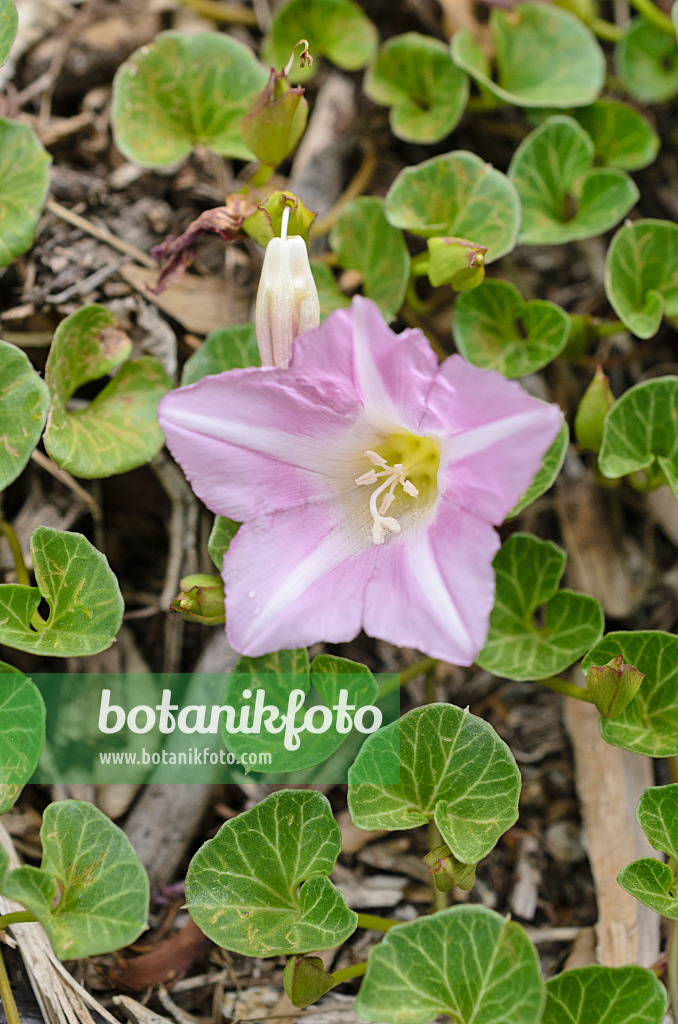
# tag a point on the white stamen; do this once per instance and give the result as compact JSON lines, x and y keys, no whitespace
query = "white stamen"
{"x":285,"y":222}
{"x":390,"y":477}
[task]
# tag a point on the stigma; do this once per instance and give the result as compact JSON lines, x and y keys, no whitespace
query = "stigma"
{"x":387,"y":478}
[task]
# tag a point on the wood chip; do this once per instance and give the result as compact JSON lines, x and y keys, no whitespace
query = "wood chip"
{"x":609,"y":782}
{"x":200,"y":304}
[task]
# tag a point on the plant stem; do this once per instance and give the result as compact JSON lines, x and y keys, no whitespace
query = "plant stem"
{"x":438,"y":898}
{"x":418,"y":669}
{"x":7,"y":996}
{"x":654,"y":15}
{"x":16,"y":917}
{"x":228,"y":14}
{"x":605,"y":328}
{"x":375,"y":923}
{"x":672,"y":767}
{"x":672,"y":969}
{"x":15,"y":547}
{"x":346,"y":973}
{"x":606,"y":30}
{"x":561,"y":686}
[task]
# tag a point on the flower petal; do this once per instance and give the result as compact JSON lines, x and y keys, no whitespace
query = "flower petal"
{"x":253,"y":442}
{"x":497,"y":436}
{"x":392,"y":372}
{"x":435,"y":589}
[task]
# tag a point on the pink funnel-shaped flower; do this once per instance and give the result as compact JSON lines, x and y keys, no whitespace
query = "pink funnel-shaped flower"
{"x":368,"y":479}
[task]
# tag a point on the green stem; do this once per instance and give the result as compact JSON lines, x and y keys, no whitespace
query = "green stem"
{"x":672,"y":969}
{"x":346,"y":973}
{"x":672,"y":767}
{"x":15,"y":547}
{"x":7,"y":996}
{"x":654,"y":15}
{"x":604,"y":329}
{"x":605,"y":30}
{"x":561,"y":686}
{"x":438,"y":898}
{"x":419,"y":265}
{"x":375,"y":923}
{"x":16,"y":917}
{"x":261,"y":176}
{"x":418,"y":669}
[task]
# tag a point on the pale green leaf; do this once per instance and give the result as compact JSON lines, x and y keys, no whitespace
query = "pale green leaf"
{"x":22,"y":732}
{"x":24,"y":402}
{"x":496,"y":329}
{"x":336,"y":29}
{"x":222,"y":533}
{"x":649,"y":724}
{"x":85,"y":604}
{"x":260,"y":886}
{"x":621,"y":136}
{"x":104,"y":894}
{"x":119,"y":429}
{"x":8,"y":25}
{"x":24,"y":179}
{"x":641,"y":274}
{"x":518,"y":645}
{"x":641,"y":433}
{"x":459,"y":195}
{"x":605,"y":995}
{"x":467,"y":962}
{"x":330,"y":294}
{"x":546,"y":57}
{"x":653,"y":884}
{"x":454,"y":769}
{"x":363,"y":240}
{"x":415,"y":76}
{"x":183,"y":91}
{"x":562,"y":196}
{"x":646,"y":61}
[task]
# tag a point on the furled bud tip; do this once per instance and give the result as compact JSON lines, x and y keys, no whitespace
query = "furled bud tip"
{"x":201,"y":599}
{"x":613,"y":686}
{"x":447,"y":871}
{"x":287,"y":299}
{"x":457,"y":262}
{"x":595,"y":404}
{"x":276,"y":120}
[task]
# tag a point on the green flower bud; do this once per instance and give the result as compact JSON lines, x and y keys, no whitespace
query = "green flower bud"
{"x":201,"y":599}
{"x":457,"y":262}
{"x":447,"y":871}
{"x":305,"y":980}
{"x":613,"y":686}
{"x":276,"y":120}
{"x":287,"y":299}
{"x":595,"y":404}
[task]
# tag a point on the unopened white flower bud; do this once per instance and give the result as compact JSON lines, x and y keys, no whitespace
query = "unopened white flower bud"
{"x":287,"y":300}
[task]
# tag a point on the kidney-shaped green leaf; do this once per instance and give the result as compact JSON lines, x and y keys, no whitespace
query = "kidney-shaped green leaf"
{"x":646,"y":61}
{"x":468,"y":962}
{"x":9,"y":22}
{"x":563,"y":197}
{"x":260,"y":887}
{"x":653,"y":883}
{"x":547,"y":472}
{"x":183,"y":91}
{"x":641,"y":274}
{"x":22,"y":732}
{"x":460,"y":195}
{"x":24,"y":402}
{"x":641,"y":433}
{"x":546,"y":57}
{"x":337,"y":29}
{"x":363,"y":240}
{"x":454,"y":769}
{"x":85,"y":604}
{"x":518,"y":645}
{"x":103,"y":900}
{"x":615,"y":995}
{"x":277,"y":675}
{"x":119,"y":429}
{"x":621,"y":136}
{"x":228,"y":348}
{"x":24,"y":179}
{"x":496,"y":329}
{"x":416,"y":77}
{"x":649,"y":724}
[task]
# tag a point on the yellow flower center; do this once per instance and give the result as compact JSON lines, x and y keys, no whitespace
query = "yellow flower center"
{"x":404,"y":467}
